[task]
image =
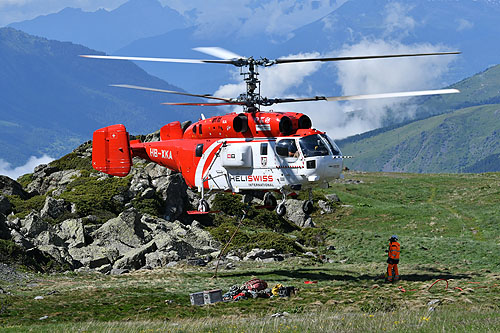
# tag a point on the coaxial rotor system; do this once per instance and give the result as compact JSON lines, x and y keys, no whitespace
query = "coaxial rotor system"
{"x":251,"y":99}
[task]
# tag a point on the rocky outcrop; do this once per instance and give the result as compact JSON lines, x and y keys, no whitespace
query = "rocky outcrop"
{"x":11,"y":187}
{"x":295,"y":213}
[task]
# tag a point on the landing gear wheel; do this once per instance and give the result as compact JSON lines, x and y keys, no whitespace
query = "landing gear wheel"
{"x":203,"y":206}
{"x":307,"y":207}
{"x":281,"y":209}
{"x":270,"y":200}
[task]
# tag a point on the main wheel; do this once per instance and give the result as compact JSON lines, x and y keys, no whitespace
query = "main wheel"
{"x":307,"y":207}
{"x":281,"y":209}
{"x":270,"y":200}
{"x":203,"y":206}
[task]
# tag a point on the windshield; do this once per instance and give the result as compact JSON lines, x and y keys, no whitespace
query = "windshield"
{"x":333,"y":147}
{"x":313,"y":145}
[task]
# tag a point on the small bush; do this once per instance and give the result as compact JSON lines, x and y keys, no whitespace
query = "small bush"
{"x":153,"y":206}
{"x":73,"y":161}
{"x":24,"y":180}
{"x":270,"y":220}
{"x":312,"y":237}
{"x":21,"y":207}
{"x":93,"y":197}
{"x":272,"y":240}
{"x":229,"y":203}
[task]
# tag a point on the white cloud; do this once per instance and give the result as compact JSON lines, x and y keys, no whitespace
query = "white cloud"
{"x":354,"y":77}
{"x":14,"y":172}
{"x":397,"y":19}
{"x":463,"y":24}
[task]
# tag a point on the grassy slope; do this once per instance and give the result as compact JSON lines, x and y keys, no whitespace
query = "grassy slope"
{"x":448,"y":225}
{"x":464,"y":136}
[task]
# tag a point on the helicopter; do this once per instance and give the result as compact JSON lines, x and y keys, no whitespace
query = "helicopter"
{"x":253,"y":150}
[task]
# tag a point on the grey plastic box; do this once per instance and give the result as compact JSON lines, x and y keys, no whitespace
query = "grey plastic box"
{"x":212,"y":296}
{"x":197,"y":298}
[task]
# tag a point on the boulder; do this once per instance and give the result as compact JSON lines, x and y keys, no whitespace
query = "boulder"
{"x":93,"y":256}
{"x":47,"y":237}
{"x":54,"y":208}
{"x":20,"y":240}
{"x":135,"y":258}
{"x":295,"y":213}
{"x":263,"y":255}
{"x":123,"y":233}
{"x":59,"y":254}
{"x":172,"y":190}
{"x":32,"y":225}
{"x":4,"y":205}
{"x":72,"y":232}
{"x":9,"y":186}
{"x":4,"y":230}
{"x":332,"y":197}
{"x":56,"y":181}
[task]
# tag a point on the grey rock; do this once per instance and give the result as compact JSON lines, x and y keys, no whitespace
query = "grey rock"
{"x":48,"y":237}
{"x":9,"y":186}
{"x":136,"y":258}
{"x":308,"y":223}
{"x":4,"y":205}
{"x":172,"y":190}
{"x":332,"y":197}
{"x":157,"y":259}
{"x":20,"y":240}
{"x":56,"y":181}
{"x":123,"y":233}
{"x":60,"y":254}
{"x":72,"y":232}
{"x":148,"y":193}
{"x":260,"y":254}
{"x":33,"y":225}
{"x":104,"y":269}
{"x":325,"y":207}
{"x":118,"y":271}
{"x":54,"y":208}
{"x":295,"y":214}
{"x":93,"y":256}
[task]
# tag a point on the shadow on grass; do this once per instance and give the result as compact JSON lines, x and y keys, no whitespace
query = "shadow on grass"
{"x":344,"y":275}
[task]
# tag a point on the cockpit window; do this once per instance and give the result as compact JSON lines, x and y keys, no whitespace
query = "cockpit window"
{"x":333,"y":147}
{"x":313,"y":145}
{"x":287,"y":148}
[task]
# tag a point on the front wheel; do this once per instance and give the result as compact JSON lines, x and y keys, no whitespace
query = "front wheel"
{"x":203,"y":206}
{"x":270,"y":200}
{"x":307,"y":207}
{"x":281,"y":209}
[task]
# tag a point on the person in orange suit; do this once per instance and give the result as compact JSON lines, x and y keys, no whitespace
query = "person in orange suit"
{"x":393,"y":260}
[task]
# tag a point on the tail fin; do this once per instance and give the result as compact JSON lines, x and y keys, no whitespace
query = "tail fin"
{"x":111,"y":151}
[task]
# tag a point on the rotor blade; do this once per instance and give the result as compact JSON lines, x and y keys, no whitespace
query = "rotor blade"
{"x":284,"y":61}
{"x":188,"y":61}
{"x":392,"y":95}
{"x":362,"y":97}
{"x":218,"y":52}
{"x":169,"y":91}
{"x":207,"y":104}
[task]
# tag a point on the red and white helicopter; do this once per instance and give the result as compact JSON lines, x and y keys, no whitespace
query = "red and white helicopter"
{"x":239,"y":152}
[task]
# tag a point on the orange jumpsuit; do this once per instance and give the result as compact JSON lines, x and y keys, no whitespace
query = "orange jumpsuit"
{"x":393,"y":261}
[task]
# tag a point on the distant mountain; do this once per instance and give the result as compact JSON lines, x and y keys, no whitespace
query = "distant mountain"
{"x":51,"y":99}
{"x":103,"y":30}
{"x":463,"y":138}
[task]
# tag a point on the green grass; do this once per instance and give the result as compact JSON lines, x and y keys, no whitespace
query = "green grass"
{"x":448,"y":227}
